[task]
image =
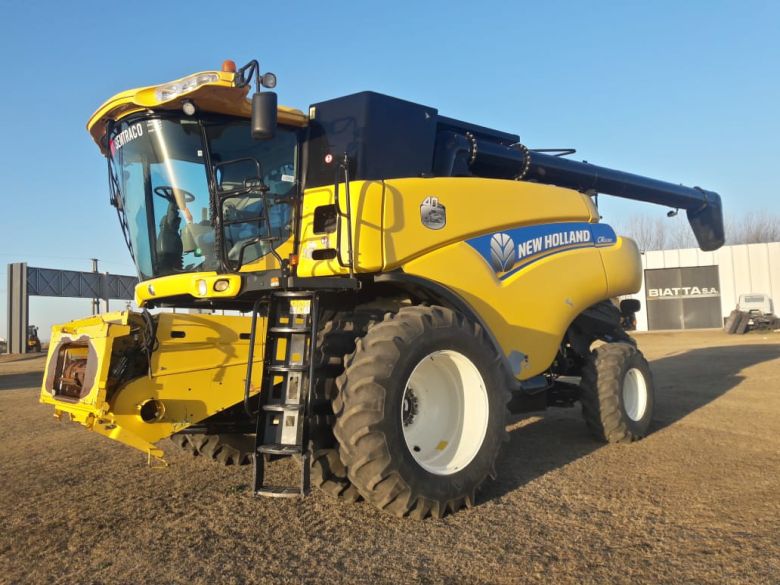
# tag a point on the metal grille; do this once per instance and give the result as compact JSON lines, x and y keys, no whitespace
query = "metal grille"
{"x":50,"y":282}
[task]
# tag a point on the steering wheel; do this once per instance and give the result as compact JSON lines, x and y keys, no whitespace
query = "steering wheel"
{"x":168,"y":193}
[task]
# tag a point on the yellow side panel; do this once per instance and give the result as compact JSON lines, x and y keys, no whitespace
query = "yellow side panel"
{"x":473,"y":206}
{"x":367,"y":200}
{"x":623,"y":267}
{"x":198,"y":370}
{"x":529,"y":311}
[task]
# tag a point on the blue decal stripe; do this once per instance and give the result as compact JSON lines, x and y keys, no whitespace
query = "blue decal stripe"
{"x":520,"y":247}
{"x":541,"y":256}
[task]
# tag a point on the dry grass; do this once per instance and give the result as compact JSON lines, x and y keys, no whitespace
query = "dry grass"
{"x":698,"y":501}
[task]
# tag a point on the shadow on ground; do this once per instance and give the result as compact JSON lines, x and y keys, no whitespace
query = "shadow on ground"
{"x":683,"y":384}
{"x":10,"y":358}
{"x":21,"y":380}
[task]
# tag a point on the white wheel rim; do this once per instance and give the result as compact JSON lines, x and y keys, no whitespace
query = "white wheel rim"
{"x":634,"y":394}
{"x":444,"y":412}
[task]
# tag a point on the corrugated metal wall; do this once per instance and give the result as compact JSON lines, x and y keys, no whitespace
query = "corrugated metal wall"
{"x":746,"y":268}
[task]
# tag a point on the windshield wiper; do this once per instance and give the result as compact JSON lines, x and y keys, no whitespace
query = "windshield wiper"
{"x":116,"y":199}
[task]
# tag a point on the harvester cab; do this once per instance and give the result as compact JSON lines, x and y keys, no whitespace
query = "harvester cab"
{"x":403,"y":277}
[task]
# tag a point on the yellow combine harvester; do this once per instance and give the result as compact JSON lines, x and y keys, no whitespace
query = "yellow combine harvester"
{"x":407,"y":279}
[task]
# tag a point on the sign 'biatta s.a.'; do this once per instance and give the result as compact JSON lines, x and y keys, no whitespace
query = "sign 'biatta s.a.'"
{"x":682,"y":292}
{"x":683,"y":298}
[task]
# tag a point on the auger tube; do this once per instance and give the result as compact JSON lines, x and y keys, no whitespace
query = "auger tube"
{"x":704,"y":209}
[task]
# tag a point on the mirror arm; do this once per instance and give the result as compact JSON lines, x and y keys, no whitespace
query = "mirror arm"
{"x":264,"y":105}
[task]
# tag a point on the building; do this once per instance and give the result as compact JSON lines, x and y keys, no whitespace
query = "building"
{"x":691,"y":289}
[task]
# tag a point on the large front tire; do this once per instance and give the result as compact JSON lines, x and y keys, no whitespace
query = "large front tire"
{"x":618,"y":396}
{"x":335,"y":340}
{"x":421,"y":412}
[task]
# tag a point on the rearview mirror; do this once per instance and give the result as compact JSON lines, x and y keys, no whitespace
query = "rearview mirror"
{"x":263,"y":115}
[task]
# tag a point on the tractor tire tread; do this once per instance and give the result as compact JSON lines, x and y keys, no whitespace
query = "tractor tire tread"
{"x":335,"y":340}
{"x":359,"y":411}
{"x":601,"y":385}
{"x":226,"y":449}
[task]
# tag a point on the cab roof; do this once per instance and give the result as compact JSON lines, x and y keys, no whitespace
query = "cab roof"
{"x":211,"y":91}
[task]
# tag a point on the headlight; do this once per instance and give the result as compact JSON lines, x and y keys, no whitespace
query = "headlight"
{"x":171,"y":90}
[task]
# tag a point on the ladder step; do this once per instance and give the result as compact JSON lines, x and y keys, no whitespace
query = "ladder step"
{"x":279,"y":449}
{"x":283,"y":407}
{"x":279,"y":492}
{"x":282,"y":417}
{"x":303,"y":330}
{"x":295,"y":368}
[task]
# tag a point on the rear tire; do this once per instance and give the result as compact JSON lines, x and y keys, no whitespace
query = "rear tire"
{"x":742,"y":326}
{"x":617,"y":396}
{"x":732,"y":322}
{"x":418,"y":369}
{"x":228,"y":449}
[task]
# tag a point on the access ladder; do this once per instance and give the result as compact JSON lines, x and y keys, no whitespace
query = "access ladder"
{"x":285,"y":396}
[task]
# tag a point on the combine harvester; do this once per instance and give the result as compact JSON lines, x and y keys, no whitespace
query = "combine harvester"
{"x":410,"y":279}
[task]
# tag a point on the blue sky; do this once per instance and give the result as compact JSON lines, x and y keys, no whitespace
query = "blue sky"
{"x":682,"y":91}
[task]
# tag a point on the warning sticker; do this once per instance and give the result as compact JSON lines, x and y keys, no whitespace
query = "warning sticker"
{"x":300,"y":307}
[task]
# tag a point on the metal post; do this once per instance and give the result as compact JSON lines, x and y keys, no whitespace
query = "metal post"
{"x":18,"y":308}
{"x":105,"y":291}
{"x":95,"y":301}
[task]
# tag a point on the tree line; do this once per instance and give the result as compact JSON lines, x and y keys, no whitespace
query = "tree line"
{"x":669,"y":233}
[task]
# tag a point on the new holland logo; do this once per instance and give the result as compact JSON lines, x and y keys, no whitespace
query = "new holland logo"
{"x":510,"y":251}
{"x":503,"y":252}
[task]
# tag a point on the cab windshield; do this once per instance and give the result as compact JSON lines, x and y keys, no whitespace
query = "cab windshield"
{"x":161,"y":170}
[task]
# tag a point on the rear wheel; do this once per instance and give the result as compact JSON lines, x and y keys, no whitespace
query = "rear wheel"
{"x":421,"y":412}
{"x":732,"y":321}
{"x":744,"y":321}
{"x":227,"y":449}
{"x":617,"y":396}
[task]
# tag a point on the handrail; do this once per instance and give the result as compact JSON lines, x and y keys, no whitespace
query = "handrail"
{"x":251,"y":356}
{"x":344,"y":164}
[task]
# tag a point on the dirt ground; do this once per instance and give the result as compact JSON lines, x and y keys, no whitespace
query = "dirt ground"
{"x":697,"y":501}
